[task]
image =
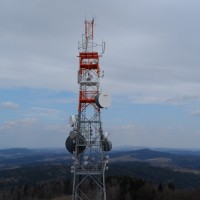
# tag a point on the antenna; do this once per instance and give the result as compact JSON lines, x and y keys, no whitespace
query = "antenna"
{"x":87,"y":44}
{"x":87,"y":142}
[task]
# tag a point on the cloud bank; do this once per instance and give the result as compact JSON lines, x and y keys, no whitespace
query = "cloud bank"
{"x":151,"y":52}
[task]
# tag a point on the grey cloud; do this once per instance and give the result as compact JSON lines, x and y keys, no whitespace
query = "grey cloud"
{"x":9,"y":105}
{"x":151,"y":51}
{"x":180,"y":100}
{"x":14,"y":124}
{"x":45,"y":110}
{"x":30,"y":132}
{"x":46,"y":114}
{"x":196,"y":112}
{"x":150,"y":136}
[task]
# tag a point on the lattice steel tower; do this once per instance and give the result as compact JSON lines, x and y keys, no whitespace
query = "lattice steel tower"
{"x":87,"y":141}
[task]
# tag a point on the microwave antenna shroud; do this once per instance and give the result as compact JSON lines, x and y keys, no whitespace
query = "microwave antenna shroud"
{"x":87,"y":142}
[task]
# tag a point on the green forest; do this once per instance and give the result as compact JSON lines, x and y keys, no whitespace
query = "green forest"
{"x":45,"y":175}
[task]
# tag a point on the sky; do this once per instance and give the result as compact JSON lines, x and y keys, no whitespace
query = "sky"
{"x":151,"y":65}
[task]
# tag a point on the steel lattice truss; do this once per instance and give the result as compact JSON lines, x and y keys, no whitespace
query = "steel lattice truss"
{"x":87,"y":142}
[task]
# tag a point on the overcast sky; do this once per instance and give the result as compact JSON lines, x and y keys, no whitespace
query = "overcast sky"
{"x":151,"y":64}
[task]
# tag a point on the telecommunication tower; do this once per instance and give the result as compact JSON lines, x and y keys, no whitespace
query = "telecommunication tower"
{"x":87,"y":141}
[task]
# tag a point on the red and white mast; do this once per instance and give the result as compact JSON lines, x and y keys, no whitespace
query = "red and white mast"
{"x":87,"y":141}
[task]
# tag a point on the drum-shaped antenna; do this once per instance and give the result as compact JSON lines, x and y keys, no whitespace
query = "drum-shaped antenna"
{"x":72,"y":120}
{"x":106,"y":145}
{"x":70,"y":144}
{"x":82,"y":142}
{"x":103,"y":100}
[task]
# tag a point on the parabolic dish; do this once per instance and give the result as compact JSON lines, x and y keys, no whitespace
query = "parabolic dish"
{"x":72,"y":120}
{"x":71,"y":145}
{"x":103,"y":100}
{"x":72,"y":134}
{"x":106,"y":145}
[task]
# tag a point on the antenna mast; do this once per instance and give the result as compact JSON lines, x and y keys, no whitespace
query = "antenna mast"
{"x":87,"y":142}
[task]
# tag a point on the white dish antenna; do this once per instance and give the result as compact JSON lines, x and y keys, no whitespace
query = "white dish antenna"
{"x":72,"y":120}
{"x":103,"y":100}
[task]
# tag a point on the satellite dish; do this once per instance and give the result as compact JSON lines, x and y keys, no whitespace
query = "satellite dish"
{"x":106,"y":145}
{"x":105,"y":135}
{"x":72,"y":134}
{"x":71,"y":145}
{"x":103,"y":100}
{"x":72,"y":120}
{"x":85,"y":162}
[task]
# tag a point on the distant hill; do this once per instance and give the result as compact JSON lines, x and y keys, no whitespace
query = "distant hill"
{"x":155,"y":174}
{"x":15,"y":151}
{"x":182,"y":169}
{"x":18,"y":157}
{"x":144,"y":154}
{"x":183,"y":151}
{"x":160,"y":159}
{"x":26,"y":151}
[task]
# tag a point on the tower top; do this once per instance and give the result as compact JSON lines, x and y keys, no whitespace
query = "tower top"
{"x":87,"y":44}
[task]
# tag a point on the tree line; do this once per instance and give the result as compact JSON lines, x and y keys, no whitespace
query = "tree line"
{"x":117,"y":187}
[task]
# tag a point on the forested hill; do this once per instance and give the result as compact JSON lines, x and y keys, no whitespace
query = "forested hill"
{"x":36,"y":172}
{"x":176,"y":160}
{"x":156,"y":166}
